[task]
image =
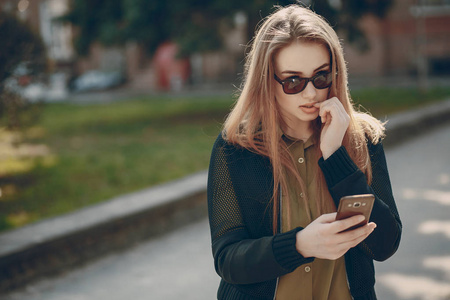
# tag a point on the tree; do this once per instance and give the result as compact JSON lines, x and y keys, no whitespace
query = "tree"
{"x":196,"y":24}
{"x":18,"y":45}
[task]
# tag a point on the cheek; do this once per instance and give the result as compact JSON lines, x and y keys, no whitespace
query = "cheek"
{"x":322,"y":94}
{"x":282,"y":100}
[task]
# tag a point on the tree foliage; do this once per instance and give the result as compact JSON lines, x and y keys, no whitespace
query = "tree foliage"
{"x":18,"y":45}
{"x":196,"y":24}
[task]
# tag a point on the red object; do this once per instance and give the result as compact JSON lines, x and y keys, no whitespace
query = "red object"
{"x":24,"y":80}
{"x":171,"y":71}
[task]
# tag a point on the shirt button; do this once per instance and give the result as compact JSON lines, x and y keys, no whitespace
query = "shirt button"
{"x":307,"y":269}
{"x":301,"y":160}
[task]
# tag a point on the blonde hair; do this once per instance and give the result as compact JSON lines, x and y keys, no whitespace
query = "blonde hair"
{"x":255,"y":121}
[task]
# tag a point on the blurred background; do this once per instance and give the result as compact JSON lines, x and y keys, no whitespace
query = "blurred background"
{"x":57,"y":56}
{"x":102,"y":98}
{"x":171,"y":45}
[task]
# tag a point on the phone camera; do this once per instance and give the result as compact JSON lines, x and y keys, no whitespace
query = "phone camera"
{"x":357,"y":204}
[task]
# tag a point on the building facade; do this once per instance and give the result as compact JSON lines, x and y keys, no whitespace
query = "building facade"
{"x":414,"y":36}
{"x":412,"y":40}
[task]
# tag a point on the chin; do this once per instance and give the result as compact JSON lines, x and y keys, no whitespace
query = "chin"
{"x":308,"y":118}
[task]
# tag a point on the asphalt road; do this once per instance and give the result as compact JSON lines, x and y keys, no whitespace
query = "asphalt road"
{"x":420,"y":174}
{"x":179,"y":265}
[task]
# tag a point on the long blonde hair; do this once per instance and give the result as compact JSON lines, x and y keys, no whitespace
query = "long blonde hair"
{"x":255,"y":121}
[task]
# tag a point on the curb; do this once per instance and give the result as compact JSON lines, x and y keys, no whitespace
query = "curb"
{"x":54,"y":245}
{"x":408,"y":124}
{"x":57,"y":244}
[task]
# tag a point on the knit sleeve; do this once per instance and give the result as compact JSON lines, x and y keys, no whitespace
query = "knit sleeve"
{"x":386,"y":217}
{"x":239,"y":257}
{"x":344,"y":179}
{"x":224,"y":211}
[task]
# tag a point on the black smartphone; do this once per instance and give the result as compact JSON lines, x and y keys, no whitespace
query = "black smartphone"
{"x":356,"y":205}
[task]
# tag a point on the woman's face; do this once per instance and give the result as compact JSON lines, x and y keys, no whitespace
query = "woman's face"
{"x":303,"y":59}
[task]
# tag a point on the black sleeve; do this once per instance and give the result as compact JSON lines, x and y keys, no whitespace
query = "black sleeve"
{"x":344,"y":179}
{"x":238,"y":257}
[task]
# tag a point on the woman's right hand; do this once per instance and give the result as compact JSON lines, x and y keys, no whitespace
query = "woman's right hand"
{"x":325,"y":237}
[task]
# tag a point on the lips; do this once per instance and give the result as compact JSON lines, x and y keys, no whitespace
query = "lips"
{"x":308,"y":108}
{"x":307,"y":105}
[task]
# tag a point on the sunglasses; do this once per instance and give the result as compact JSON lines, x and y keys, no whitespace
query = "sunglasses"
{"x":295,"y":84}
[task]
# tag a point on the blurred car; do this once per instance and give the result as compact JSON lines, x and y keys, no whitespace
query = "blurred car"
{"x":97,"y":80}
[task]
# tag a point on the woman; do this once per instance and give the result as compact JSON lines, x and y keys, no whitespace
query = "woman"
{"x":292,"y":146}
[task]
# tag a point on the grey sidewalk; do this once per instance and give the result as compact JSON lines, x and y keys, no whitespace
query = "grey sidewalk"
{"x":54,"y":245}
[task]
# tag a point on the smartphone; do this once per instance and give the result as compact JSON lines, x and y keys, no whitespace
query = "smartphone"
{"x":355,"y":205}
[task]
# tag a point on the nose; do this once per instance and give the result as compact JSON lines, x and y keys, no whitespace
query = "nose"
{"x":309,"y":92}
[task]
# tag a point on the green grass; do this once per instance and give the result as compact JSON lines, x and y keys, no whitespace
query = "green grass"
{"x":385,"y":101}
{"x":101,"y":151}
{"x":95,"y":152}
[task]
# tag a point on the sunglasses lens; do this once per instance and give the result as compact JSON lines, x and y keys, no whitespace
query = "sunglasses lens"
{"x":294,"y":85}
{"x":322,"y":81}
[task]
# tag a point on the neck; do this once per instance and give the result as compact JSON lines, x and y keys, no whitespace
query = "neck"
{"x":301,"y":131}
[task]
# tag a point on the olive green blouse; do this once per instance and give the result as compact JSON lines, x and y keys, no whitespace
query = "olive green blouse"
{"x":322,"y":279}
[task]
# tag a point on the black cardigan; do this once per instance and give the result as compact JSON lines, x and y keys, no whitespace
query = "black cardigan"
{"x":249,"y":257}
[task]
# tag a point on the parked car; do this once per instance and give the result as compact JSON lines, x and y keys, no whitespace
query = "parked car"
{"x":97,"y":80}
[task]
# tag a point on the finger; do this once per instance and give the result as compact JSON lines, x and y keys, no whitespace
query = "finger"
{"x":327,"y":218}
{"x":327,"y":111}
{"x":323,"y":119}
{"x":350,"y":244}
{"x":319,"y":106}
{"x":335,"y":101}
{"x":334,"y":108}
{"x":350,"y":239}
{"x":357,"y":235}
{"x":344,"y":224}
{"x":325,"y":115}
{"x":360,"y":231}
{"x":326,"y":118}
{"x":333,"y":104}
{"x":355,"y":242}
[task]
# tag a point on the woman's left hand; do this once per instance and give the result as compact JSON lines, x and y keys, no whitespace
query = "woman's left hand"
{"x":336,"y":121}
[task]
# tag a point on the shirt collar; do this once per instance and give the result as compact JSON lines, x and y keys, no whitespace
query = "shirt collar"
{"x":291,"y":141}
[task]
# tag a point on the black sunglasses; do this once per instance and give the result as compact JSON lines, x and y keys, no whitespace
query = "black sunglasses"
{"x":295,"y":84}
